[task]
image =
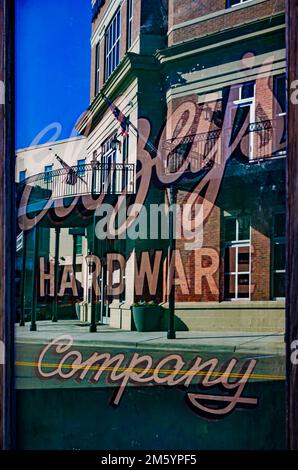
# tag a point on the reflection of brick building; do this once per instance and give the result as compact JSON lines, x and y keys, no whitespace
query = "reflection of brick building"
{"x":230,"y":60}
{"x":226,"y":59}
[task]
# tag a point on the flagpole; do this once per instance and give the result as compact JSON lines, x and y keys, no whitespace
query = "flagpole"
{"x":117,"y":112}
{"x":62,"y":162}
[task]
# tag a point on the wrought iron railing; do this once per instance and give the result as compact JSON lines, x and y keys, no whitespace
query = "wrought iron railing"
{"x":92,"y":178}
{"x":261,"y":140}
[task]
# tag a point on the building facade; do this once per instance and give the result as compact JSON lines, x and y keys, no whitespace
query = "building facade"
{"x":201,"y":88}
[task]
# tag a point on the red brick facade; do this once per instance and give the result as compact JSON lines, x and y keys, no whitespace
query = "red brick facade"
{"x":181,"y":11}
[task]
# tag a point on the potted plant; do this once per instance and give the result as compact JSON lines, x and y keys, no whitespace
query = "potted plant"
{"x":146,"y":315}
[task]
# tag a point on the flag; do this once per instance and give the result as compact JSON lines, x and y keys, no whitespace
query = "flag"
{"x":124,"y":121}
{"x":71,"y":175}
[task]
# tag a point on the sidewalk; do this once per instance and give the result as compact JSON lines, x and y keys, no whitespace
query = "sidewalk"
{"x":269,"y":343}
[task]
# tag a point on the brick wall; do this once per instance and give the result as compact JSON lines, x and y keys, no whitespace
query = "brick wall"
{"x":181,"y":11}
{"x":260,"y":242}
{"x":198,"y":286}
{"x":200,"y":266}
{"x":184,"y":10}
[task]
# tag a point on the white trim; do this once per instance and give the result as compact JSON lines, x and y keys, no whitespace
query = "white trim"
{"x":239,"y":244}
{"x":213,"y":79}
{"x":236,"y":104}
{"x":51,"y":143}
{"x":240,"y":3}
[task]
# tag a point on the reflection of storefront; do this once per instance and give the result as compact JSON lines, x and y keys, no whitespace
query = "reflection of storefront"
{"x":239,"y":270}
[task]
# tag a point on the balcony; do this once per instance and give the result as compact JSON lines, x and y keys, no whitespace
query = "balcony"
{"x":92,"y":178}
{"x":262,"y":140}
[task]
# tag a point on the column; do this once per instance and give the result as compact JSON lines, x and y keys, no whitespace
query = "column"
{"x":35,"y":276}
{"x":23,"y":279}
{"x":56,"y":279}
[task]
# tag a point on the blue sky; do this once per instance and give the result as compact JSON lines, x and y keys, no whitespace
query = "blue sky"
{"x":52,"y":66}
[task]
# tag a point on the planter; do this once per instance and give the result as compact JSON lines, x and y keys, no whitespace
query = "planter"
{"x":147,"y":317}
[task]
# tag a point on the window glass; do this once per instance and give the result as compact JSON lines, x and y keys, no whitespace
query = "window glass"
{"x":79,"y":242}
{"x":97,"y":68}
{"x":81,"y":164}
{"x":280,"y":91}
{"x":48,"y":173}
{"x":22,"y":175}
{"x":279,"y":225}
{"x":112,"y":47}
{"x":232,"y":3}
{"x":230,"y":229}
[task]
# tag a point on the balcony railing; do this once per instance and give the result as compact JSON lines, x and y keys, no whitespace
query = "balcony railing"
{"x":261,"y":140}
{"x":97,"y":178}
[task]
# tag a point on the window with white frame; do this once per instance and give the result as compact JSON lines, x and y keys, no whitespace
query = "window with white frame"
{"x":112,"y":45}
{"x":48,"y":173}
{"x":237,"y":258}
{"x":22,"y":175}
{"x":108,"y":161}
{"x":279,"y":111}
{"x":97,"y":68}
{"x":233,"y":3}
{"x":129,"y":22}
{"x":242,"y":112}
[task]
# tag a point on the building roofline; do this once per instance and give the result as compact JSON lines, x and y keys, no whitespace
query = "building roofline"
{"x":47,"y":144}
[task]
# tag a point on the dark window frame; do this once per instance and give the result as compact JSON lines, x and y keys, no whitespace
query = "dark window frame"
{"x":239,"y":2}
{"x":81,"y":167}
{"x":277,"y":240}
{"x":237,"y":244}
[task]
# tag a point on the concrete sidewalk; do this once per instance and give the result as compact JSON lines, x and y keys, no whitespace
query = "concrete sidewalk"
{"x":270,"y":343}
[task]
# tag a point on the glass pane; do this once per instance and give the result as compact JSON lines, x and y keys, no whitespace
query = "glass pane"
{"x":244,"y":227}
{"x":279,"y":285}
{"x":279,"y":256}
{"x":110,"y":39}
{"x":117,"y":54}
{"x":113,"y":60}
{"x":118,"y":25}
{"x":279,"y":225}
{"x":247,"y":90}
{"x":280,"y":91}
{"x":230,"y":229}
{"x":243,"y":286}
{"x":241,"y":116}
{"x":79,"y":244}
{"x":234,"y":2}
{"x":243,"y":259}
